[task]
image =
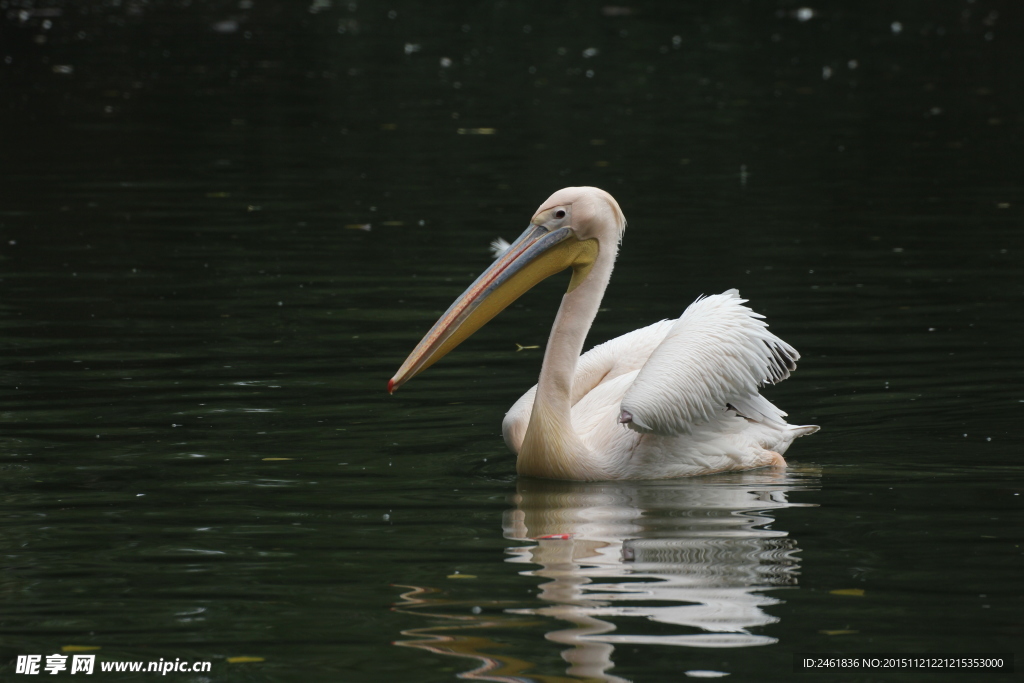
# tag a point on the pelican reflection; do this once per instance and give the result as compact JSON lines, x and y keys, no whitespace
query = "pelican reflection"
{"x":688,"y":562}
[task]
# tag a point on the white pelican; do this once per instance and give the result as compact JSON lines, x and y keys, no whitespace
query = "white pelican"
{"x":674,"y":399}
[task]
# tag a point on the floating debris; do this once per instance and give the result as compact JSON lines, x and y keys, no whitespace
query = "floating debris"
{"x":244,"y":660}
{"x":365,"y":227}
{"x":838,"y":632}
{"x":855,"y":592}
{"x":477,"y":131}
{"x":523,"y":348}
{"x":499,"y":246}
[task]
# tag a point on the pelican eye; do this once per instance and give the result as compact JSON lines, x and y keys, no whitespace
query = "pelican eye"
{"x":559,"y":214}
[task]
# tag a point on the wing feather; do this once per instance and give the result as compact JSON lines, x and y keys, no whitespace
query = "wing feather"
{"x":601,"y":364}
{"x":715,"y":357}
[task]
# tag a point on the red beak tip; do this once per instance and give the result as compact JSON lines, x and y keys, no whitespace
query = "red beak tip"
{"x":391,"y":386}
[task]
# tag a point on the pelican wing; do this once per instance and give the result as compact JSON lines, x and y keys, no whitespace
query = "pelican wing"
{"x":616,"y":357}
{"x":599,"y":365}
{"x":715,"y":357}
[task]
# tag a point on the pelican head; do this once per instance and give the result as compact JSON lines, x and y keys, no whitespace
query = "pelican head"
{"x":569,"y":230}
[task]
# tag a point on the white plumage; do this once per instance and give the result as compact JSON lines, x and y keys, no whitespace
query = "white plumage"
{"x":717,"y":354}
{"x":690,"y":387}
{"x":499,"y":247}
{"x":676,"y":398}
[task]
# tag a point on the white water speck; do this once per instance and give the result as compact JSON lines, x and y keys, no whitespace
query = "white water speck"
{"x":226,"y":26}
{"x":896,"y":27}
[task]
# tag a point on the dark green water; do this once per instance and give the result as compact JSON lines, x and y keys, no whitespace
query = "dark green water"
{"x":198,"y":457}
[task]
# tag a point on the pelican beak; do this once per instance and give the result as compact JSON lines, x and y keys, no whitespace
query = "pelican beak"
{"x":536,"y":255}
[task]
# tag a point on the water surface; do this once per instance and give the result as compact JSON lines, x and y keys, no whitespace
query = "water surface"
{"x":224,"y":227}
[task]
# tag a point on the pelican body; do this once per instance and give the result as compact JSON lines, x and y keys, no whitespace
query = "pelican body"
{"x":673,"y":399}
